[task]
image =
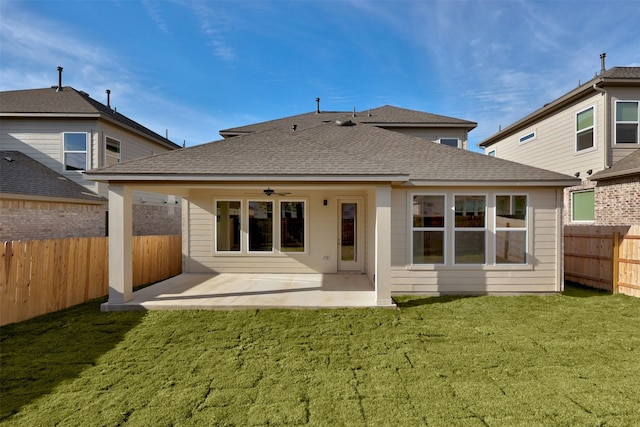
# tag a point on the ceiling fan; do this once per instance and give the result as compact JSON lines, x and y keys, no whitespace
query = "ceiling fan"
{"x":270,"y":192}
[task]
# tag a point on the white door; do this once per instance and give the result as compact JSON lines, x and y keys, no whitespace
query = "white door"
{"x":350,"y":239}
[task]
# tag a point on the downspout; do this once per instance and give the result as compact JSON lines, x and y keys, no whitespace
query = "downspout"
{"x":607,"y":134}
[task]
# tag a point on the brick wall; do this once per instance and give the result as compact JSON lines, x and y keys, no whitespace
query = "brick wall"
{"x":34,"y":220}
{"x":618,"y":201}
{"x":157,"y":220}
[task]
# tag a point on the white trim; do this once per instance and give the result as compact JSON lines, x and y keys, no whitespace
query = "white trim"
{"x":485,"y":229}
{"x":443,"y":229}
{"x":593,"y":129}
{"x":134,"y":177}
{"x":615,"y":125}
{"x":215,"y":227}
{"x":529,"y":249}
{"x":87,"y":152}
{"x":528,"y":137}
{"x":590,"y":221}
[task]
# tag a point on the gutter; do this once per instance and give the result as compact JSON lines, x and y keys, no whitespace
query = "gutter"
{"x":607,"y":127}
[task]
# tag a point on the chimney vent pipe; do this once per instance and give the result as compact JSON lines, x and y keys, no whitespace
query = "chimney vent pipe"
{"x":109,"y":98}
{"x":59,"y":79}
{"x":603,"y":68}
{"x":317,"y":105}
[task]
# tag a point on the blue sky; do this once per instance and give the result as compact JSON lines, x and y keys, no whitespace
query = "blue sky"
{"x":195,"y":67}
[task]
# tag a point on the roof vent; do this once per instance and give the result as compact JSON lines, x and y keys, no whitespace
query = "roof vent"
{"x":603,"y":68}
{"x":317,"y":105}
{"x":108,"y":98}
{"x":294,"y":127}
{"x":341,"y":122}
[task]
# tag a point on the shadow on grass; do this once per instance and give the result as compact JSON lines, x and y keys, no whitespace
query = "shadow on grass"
{"x":41,"y":353}
{"x":573,"y":290}
{"x":412,"y":301}
{"x":576,"y":290}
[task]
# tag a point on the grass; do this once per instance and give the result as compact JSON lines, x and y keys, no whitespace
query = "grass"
{"x":570,"y":360}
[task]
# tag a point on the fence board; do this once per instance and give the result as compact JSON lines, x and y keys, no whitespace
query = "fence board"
{"x":589,"y":257}
{"x":42,"y":276}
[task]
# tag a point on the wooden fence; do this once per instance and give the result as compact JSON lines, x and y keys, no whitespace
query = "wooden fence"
{"x":603,"y":257}
{"x":43,"y":276}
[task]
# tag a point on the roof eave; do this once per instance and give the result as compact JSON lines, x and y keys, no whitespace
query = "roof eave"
{"x":492,"y":183}
{"x":606,"y":174}
{"x":115,"y":177}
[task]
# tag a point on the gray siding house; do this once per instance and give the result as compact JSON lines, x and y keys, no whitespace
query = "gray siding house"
{"x":340,"y":192}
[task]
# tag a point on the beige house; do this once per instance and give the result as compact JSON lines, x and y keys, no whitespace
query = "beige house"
{"x":583,"y":133}
{"x":69,"y":132}
{"x":331,"y":192}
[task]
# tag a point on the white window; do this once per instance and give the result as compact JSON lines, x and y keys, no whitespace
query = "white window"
{"x":75,"y":151}
{"x":528,"y":137}
{"x":583,"y":206}
{"x":627,"y":119}
{"x":492,"y":153}
{"x":111,"y":151}
{"x":228,"y":226}
{"x":292,"y":226}
{"x":585,"y":126}
{"x":511,"y":229}
{"x":451,"y":142}
{"x":470,"y":229}
{"x":261,"y":226}
{"x":428,"y":229}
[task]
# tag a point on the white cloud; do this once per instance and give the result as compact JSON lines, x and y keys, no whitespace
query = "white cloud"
{"x":153,"y":10}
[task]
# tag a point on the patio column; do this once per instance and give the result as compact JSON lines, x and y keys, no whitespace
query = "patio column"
{"x":383,"y":246}
{"x":120,"y":245}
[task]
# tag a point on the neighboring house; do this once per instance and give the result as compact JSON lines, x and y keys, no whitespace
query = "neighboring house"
{"x":583,"y":133}
{"x":69,"y":132}
{"x":338,"y":192}
{"x":39,"y":203}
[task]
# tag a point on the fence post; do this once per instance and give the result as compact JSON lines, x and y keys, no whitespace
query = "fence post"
{"x":616,"y":262}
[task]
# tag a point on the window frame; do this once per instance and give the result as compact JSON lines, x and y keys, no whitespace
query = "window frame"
{"x":274,"y":215}
{"x":528,"y":137}
{"x":484,"y":229}
{"x":525,"y":228}
{"x":616,"y":122}
{"x":592,"y":128}
{"x":445,"y":234}
{"x":583,"y":221}
{"x":106,"y":152}
{"x":492,"y":153}
{"x":305,"y":226}
{"x":215,"y":227}
{"x":458,"y":143}
{"x":85,"y":152}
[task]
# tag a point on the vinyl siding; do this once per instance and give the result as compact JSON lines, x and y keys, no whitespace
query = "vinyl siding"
{"x":321,"y":237}
{"x":540,"y":275}
{"x":554,"y":147}
{"x":41,"y":140}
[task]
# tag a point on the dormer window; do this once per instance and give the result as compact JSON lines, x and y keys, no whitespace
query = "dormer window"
{"x":451,"y":142}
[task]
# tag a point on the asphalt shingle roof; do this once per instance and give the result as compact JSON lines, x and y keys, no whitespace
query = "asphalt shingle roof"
{"x":629,"y":165}
{"x":328,"y":149}
{"x":67,"y":101}
{"x":386,"y":116}
{"x":20,"y":174}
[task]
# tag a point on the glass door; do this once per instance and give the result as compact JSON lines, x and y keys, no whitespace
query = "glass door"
{"x":349,"y":239}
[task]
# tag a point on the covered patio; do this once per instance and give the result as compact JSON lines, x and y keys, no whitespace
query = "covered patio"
{"x":228,"y":291}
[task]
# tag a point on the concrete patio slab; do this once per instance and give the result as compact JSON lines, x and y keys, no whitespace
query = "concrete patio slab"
{"x":230,"y":291}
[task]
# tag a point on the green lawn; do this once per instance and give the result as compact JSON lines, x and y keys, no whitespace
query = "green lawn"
{"x":571,"y":360}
